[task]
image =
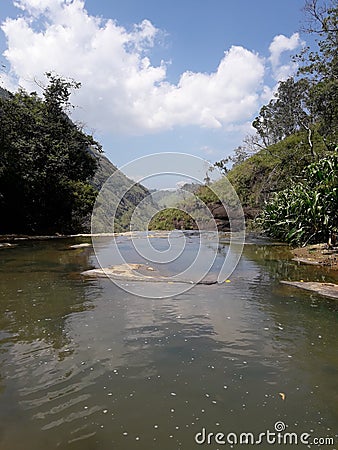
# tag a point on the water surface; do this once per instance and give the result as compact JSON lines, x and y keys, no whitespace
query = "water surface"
{"x":86,"y":365}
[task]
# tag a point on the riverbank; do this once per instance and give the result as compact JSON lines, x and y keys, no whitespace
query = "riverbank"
{"x":317,"y":254}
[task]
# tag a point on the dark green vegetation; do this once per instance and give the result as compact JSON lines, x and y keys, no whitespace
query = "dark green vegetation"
{"x":307,"y":210}
{"x":50,"y":170}
{"x":45,"y":164}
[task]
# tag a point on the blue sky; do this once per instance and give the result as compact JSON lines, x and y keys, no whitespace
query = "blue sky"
{"x":182,"y":76}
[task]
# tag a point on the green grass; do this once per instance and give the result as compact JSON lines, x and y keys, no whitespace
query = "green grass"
{"x":270,"y":170}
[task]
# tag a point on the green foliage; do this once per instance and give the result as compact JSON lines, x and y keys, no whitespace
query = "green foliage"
{"x":285,"y":114}
{"x":324,"y":104}
{"x":45,"y":164}
{"x":306,"y":212}
{"x":57,"y":93}
{"x":171,"y":219}
{"x":311,"y":101}
{"x":321,"y":64}
{"x":206,"y":195}
{"x":287,"y":164}
{"x":83,"y":196}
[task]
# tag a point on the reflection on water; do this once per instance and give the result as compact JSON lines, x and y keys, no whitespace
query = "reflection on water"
{"x":85,"y":365}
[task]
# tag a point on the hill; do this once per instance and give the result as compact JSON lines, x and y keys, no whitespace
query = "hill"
{"x":114,"y":197}
{"x":51,"y":171}
{"x":271,"y":169}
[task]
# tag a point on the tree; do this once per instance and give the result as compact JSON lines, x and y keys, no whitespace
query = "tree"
{"x":307,"y":210}
{"x":45,"y":163}
{"x":285,"y":114}
{"x":320,"y":67}
{"x":322,"y":21}
{"x":309,"y":102}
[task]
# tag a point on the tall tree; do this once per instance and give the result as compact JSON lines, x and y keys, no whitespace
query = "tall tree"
{"x":320,"y":67}
{"x":309,"y":102}
{"x":285,"y":114}
{"x":45,"y":162}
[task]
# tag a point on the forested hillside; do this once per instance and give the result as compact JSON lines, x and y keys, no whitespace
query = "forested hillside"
{"x":123,"y":192}
{"x":50,"y":170}
{"x":293,"y":174}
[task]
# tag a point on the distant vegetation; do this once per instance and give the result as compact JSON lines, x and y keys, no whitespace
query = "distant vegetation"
{"x":171,"y":219}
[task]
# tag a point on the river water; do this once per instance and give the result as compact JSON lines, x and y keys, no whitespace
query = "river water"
{"x":86,"y":365}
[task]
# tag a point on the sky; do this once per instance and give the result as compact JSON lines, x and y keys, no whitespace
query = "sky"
{"x":156,"y":76}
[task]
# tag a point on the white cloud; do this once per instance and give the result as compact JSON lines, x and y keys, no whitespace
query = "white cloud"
{"x":122,"y":91}
{"x":278,"y":46}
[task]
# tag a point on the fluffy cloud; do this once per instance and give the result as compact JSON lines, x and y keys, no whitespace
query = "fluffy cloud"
{"x":278,"y":46}
{"x":122,"y":91}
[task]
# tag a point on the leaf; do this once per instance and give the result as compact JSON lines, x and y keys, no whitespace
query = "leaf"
{"x":282,"y":395}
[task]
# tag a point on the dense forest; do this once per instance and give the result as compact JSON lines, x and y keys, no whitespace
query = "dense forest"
{"x":286,"y":173}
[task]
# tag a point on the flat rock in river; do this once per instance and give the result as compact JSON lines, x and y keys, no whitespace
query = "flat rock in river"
{"x":140,"y":272}
{"x":75,"y":246}
{"x":326,"y":289}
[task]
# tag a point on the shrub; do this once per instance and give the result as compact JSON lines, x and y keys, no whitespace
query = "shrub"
{"x":307,"y":211}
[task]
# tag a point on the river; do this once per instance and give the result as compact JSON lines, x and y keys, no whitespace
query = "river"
{"x":88,"y":365}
